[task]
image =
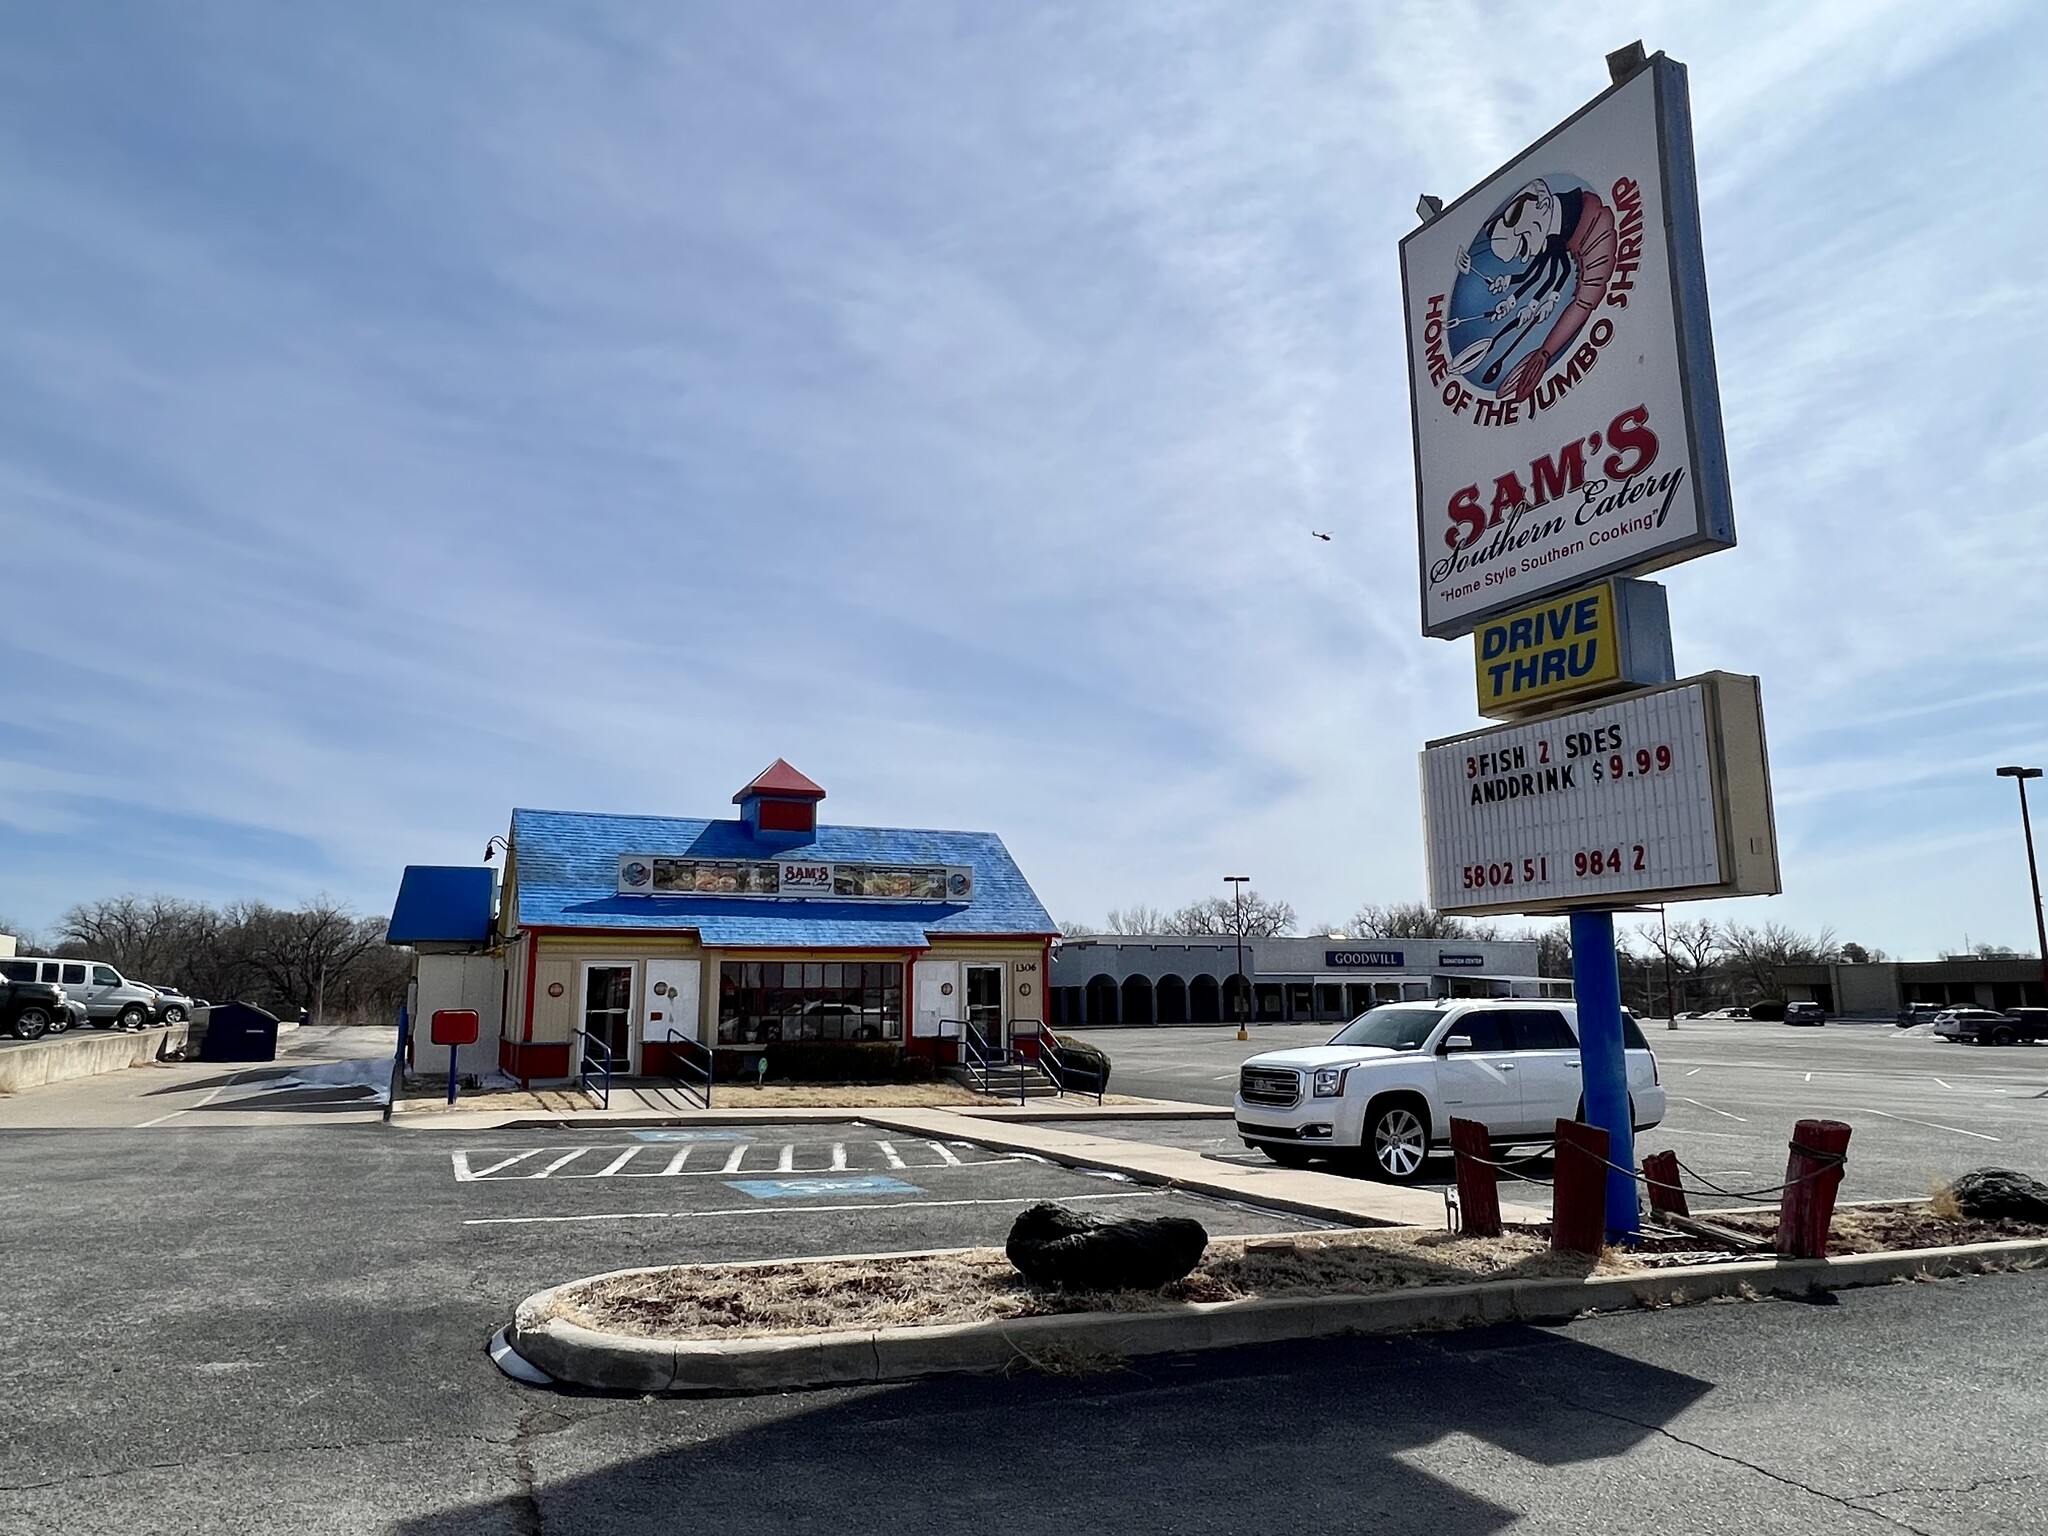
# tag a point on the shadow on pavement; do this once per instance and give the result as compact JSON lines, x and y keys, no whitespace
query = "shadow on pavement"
{"x":1335,"y":1435}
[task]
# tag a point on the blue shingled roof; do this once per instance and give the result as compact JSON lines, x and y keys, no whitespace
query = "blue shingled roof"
{"x":442,"y":904}
{"x":568,"y":873}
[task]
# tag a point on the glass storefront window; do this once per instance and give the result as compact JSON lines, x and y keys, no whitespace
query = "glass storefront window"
{"x":761,"y":1002}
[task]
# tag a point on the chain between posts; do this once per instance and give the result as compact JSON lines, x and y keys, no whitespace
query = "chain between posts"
{"x":1828,"y":1161}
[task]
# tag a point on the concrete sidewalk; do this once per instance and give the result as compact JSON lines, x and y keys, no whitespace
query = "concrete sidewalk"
{"x":1354,"y":1202}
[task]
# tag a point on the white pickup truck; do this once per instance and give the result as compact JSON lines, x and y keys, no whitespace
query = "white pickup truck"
{"x":1384,"y":1090}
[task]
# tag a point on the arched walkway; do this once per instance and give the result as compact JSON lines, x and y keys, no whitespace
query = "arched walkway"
{"x":1235,"y":987}
{"x":1171,"y":996}
{"x":1205,"y":1002}
{"x":1102,"y":1001}
{"x":1138,"y":1000}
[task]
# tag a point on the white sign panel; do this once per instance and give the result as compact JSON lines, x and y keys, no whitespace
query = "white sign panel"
{"x":1658,"y":796}
{"x":1567,"y":421}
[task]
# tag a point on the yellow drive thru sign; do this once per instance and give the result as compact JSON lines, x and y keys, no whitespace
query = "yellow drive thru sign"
{"x":1612,"y":635}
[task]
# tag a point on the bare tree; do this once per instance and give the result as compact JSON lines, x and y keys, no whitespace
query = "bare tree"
{"x":1755,"y":955}
{"x":1137,"y":918}
{"x":1417,"y":920}
{"x":1255,"y":917}
{"x":274,"y":956}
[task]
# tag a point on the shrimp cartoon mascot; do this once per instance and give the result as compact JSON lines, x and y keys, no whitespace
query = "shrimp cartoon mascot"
{"x":1545,"y":253}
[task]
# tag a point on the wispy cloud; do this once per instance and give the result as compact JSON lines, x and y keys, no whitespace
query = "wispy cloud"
{"x":410,"y":414}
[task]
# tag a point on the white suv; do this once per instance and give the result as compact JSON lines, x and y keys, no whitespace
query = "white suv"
{"x":1388,"y":1083}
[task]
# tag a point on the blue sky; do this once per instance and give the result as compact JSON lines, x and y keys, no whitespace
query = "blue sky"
{"x":410,"y":412}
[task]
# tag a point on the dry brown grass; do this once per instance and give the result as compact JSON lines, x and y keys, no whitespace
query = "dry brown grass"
{"x":978,"y":1285}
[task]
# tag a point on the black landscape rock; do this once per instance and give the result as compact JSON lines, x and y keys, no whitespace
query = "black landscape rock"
{"x":1051,"y":1245}
{"x":1999,"y":1194}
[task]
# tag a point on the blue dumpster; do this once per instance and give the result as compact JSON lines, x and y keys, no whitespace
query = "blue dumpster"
{"x":239,"y":1032}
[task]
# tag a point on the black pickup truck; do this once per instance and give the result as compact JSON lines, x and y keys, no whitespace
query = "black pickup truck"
{"x":1981,"y":1026}
{"x":29,"y":1008}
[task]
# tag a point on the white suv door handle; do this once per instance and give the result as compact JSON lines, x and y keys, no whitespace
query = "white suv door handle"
{"x":1505,"y":1066}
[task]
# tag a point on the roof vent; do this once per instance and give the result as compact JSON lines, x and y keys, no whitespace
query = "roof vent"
{"x":780,"y":803}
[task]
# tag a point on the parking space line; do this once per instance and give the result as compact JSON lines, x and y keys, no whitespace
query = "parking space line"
{"x":945,"y":1153}
{"x":838,"y":1156}
{"x":1956,"y":1129}
{"x":219,"y":1089}
{"x":732,"y":1161}
{"x":786,"y":1162}
{"x":788,"y":1210}
{"x":617,"y":1163}
{"x":675,"y":1164}
{"x":889,"y":1154}
{"x":1711,"y":1110}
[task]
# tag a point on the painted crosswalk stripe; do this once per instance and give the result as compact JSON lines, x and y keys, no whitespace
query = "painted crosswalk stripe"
{"x":889,"y":1154}
{"x":561,"y":1162}
{"x":945,"y":1153}
{"x":464,"y":1173}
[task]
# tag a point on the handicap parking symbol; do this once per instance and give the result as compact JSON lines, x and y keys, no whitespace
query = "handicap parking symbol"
{"x":783,"y":1189}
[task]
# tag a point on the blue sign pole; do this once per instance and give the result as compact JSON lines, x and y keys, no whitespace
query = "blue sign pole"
{"x":1603,"y":1066}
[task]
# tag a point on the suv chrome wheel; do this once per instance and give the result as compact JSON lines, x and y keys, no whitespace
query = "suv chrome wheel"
{"x":1399,"y":1143}
{"x":31,"y":1024}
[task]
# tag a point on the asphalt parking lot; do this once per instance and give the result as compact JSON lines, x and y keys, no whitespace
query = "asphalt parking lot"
{"x":1922,"y":1110}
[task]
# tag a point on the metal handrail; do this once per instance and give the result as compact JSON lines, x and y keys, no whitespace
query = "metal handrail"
{"x":982,"y":1059}
{"x":684,"y":1071}
{"x":1060,"y":1068}
{"x":603,"y":1060}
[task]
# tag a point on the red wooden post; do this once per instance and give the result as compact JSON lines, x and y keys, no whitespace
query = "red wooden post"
{"x":1578,"y":1214}
{"x":1813,"y":1173}
{"x":1478,"y":1180}
{"x":1667,"y":1195}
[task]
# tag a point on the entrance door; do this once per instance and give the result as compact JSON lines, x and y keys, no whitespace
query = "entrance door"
{"x":672,"y":1000}
{"x":608,"y":1010}
{"x":985,"y":1004}
{"x":938,"y":1002}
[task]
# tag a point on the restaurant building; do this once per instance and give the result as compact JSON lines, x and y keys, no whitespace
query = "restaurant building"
{"x":765,"y":928}
{"x":1147,"y":979}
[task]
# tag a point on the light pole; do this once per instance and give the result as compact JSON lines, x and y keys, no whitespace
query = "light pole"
{"x":2021,"y":775}
{"x":1237,"y":885}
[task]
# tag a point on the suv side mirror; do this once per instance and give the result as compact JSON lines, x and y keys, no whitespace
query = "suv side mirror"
{"x":1457,"y":1043}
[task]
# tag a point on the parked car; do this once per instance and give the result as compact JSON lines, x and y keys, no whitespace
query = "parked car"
{"x":1384,"y":1089}
{"x":110,"y":999}
{"x":1729,"y":1013}
{"x":1983,"y":1026}
{"x":1805,"y":1013}
{"x":30,"y":1009}
{"x":1919,"y":1013}
{"x":172,"y":1006}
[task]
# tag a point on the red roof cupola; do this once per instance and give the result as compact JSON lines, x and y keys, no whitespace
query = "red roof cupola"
{"x":780,"y":802}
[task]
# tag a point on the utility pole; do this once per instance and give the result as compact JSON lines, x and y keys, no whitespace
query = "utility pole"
{"x":1670,"y":1005}
{"x":1237,"y":884}
{"x":320,"y":993}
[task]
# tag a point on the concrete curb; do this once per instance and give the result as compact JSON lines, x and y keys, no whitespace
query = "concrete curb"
{"x":439,"y":1119}
{"x":38,"y":1063}
{"x":617,"y":1363}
